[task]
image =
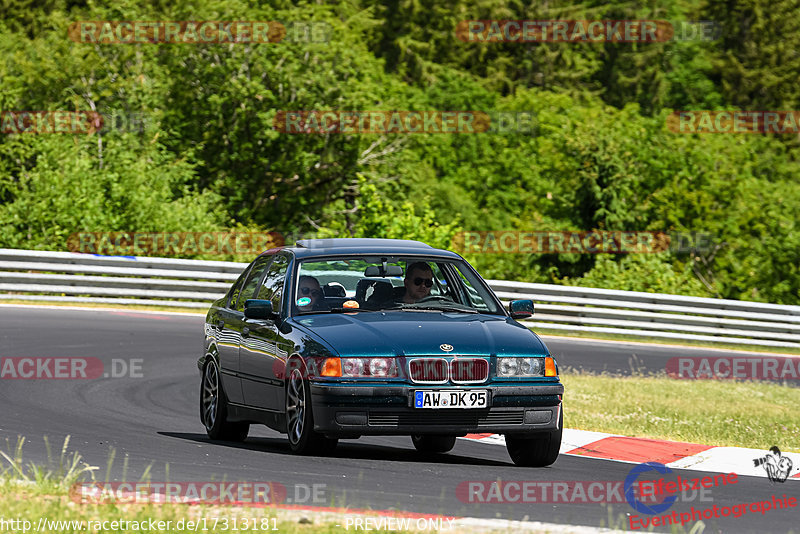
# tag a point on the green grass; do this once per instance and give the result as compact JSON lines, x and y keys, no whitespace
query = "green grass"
{"x":730,"y":413}
{"x":24,"y":503}
{"x":55,"y":476}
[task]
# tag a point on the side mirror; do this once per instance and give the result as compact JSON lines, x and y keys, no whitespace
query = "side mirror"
{"x":521,"y":309}
{"x":259,"y":309}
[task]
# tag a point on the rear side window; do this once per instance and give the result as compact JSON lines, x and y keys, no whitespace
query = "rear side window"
{"x":272,"y":287}
{"x":249,"y":288}
{"x":233,"y":294}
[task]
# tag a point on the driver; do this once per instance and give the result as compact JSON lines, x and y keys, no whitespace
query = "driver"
{"x":418,"y":282}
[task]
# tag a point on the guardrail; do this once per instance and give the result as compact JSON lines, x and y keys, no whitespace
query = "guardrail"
{"x":69,"y":277}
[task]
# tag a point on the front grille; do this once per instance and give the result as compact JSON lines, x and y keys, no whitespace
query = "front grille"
{"x":468,"y":371}
{"x":428,"y":370}
{"x":442,"y":417}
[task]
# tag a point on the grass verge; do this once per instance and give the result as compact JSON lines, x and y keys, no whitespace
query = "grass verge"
{"x":728,"y":413}
{"x":59,"y":514}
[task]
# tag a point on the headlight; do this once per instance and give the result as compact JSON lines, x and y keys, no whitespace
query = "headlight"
{"x":373,"y":367}
{"x":507,"y":366}
{"x":382,"y":367}
{"x":530,"y":366}
{"x":352,"y":366}
{"x":526,"y":366}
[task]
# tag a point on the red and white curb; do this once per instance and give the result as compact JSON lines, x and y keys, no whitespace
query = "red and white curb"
{"x":691,"y":456}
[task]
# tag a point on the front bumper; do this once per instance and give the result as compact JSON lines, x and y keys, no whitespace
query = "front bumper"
{"x":342,"y":410}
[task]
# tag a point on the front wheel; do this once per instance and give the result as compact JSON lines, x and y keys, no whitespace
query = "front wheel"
{"x":300,"y":419}
{"x":433,"y":444}
{"x":214,"y":408}
{"x":536,"y":450}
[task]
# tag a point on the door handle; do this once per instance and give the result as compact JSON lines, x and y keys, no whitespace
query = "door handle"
{"x":245,"y":332}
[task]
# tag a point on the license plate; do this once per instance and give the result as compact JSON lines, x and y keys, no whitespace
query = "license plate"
{"x":451,"y":398}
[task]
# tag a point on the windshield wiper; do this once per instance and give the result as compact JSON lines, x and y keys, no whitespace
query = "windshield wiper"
{"x":348,"y":310}
{"x":412,"y":307}
{"x":393,"y":307}
{"x":335,"y":310}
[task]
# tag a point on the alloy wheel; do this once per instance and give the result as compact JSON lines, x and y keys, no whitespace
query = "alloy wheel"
{"x":210,"y":395}
{"x":295,"y":406}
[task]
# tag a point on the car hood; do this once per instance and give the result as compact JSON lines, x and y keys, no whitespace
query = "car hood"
{"x":410,"y":333}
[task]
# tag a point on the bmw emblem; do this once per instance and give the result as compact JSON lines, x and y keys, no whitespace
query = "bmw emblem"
{"x":446,"y":347}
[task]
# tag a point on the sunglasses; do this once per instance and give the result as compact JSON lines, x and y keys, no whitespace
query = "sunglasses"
{"x":428,"y":281}
{"x":308,"y":290}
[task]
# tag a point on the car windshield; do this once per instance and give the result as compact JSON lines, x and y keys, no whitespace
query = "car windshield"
{"x":368,"y":283}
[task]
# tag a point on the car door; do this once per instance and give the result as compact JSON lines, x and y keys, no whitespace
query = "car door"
{"x":227,"y":341}
{"x":234,"y":325}
{"x":261,"y":353}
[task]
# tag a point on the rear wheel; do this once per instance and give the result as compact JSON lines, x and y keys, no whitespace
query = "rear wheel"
{"x":536,"y":450}
{"x":300,"y":418}
{"x":433,"y":444}
{"x":214,"y":408}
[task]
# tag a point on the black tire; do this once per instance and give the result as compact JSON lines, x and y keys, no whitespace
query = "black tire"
{"x":433,"y":444}
{"x":300,"y":418}
{"x":536,"y":450}
{"x":214,"y":408}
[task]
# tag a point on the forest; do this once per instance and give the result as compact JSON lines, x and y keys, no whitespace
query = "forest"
{"x":189,"y":143}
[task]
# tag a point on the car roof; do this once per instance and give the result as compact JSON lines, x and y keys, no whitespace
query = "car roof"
{"x":309,"y":248}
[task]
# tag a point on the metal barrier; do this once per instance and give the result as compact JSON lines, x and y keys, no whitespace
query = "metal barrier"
{"x":69,"y":277}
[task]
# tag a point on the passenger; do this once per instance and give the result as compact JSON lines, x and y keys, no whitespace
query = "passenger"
{"x":309,"y":287}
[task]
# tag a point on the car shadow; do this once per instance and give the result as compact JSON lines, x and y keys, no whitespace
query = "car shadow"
{"x":348,"y":449}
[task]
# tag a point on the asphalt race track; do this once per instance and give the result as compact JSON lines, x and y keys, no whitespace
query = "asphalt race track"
{"x":152,"y":419}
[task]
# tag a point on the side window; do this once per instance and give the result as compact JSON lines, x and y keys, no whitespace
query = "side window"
{"x":473,"y":296}
{"x":272,"y":288}
{"x":253,"y":278}
{"x":439,"y":281}
{"x":233,"y":294}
